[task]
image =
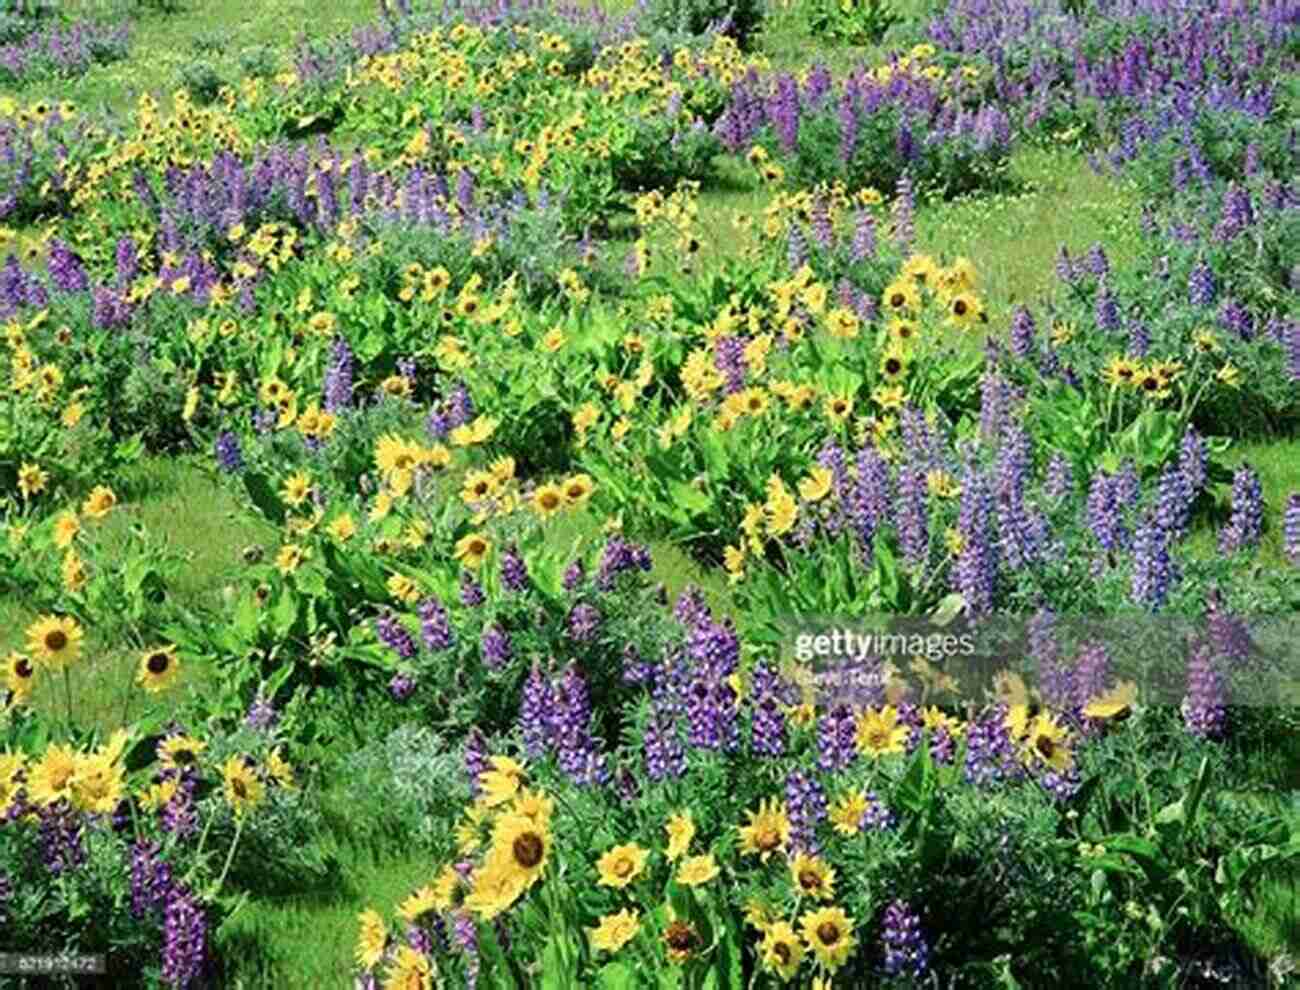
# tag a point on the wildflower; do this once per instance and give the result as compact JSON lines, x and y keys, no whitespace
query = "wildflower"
{"x":781,"y":952}
{"x":768,"y":830}
{"x":621,"y":865}
{"x":828,"y":932}
{"x":158,"y":668}
{"x":812,"y":876}
{"x":880,"y":733}
{"x":54,"y":641}
{"x":372,"y":940}
{"x":99,"y":502}
{"x":472,"y":550}
{"x":681,"y":829}
{"x":32,"y":480}
{"x":615,"y":931}
{"x":242,"y":789}
{"x":697,"y":870}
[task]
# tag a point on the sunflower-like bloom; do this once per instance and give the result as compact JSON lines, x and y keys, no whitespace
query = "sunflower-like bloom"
{"x":50,"y":778}
{"x":880,"y":733}
{"x":681,"y":829}
{"x":158,"y":668}
{"x":813,"y":877}
{"x":768,"y":830}
{"x":242,"y":787}
{"x":615,"y":931}
{"x":828,"y":932}
{"x":54,"y":641}
{"x":372,"y":939}
{"x":697,"y":870}
{"x":781,"y":952}
{"x":620,"y":865}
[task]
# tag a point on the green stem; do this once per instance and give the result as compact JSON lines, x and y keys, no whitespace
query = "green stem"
{"x":67,"y":691}
{"x":230,"y":855}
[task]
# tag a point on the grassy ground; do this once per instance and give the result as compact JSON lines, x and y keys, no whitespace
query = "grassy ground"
{"x":305,"y":940}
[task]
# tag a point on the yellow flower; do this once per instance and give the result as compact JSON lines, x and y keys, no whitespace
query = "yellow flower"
{"x":20,"y":676}
{"x":697,"y":870}
{"x":1047,"y":744}
{"x":403,"y":588}
{"x":297,"y":488}
{"x":768,"y":830}
{"x":829,"y":934}
{"x":73,"y":414}
{"x":880,"y":733}
{"x":1229,"y":375}
{"x":290,"y":558}
{"x":179,"y":752}
{"x":50,"y":778}
{"x":279,"y":769}
{"x":501,"y":781}
{"x":74,"y":572}
{"x":681,"y":829}
{"x":553,"y":340}
{"x":242,"y":788}
{"x":813,"y":877}
{"x":99,"y":502}
{"x":98,"y":784}
{"x":817,"y":485}
{"x":493,"y":888}
{"x":893,"y":363}
{"x":619,"y":866}
{"x":472,"y":550}
{"x":681,"y":940}
{"x":66,"y":528}
{"x":54,"y":641}
{"x":781,"y":952}
{"x":847,"y":812}
{"x":158,"y":668}
{"x":843,"y":323}
{"x":32,"y":480}
{"x":965,"y":310}
{"x":411,"y":970}
{"x":372,"y":940}
{"x":838,"y":408}
{"x":615,"y":931}
{"x":547,"y":500}
{"x":889,"y":396}
{"x":577,"y":490}
{"x":343,"y":528}
{"x":900,"y":297}
{"x":1113,"y":703}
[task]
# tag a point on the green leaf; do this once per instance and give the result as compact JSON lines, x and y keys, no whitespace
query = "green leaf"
{"x":264,"y":497}
{"x":616,"y":976}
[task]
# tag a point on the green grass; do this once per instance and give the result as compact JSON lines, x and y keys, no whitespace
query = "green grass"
{"x":218,"y":32}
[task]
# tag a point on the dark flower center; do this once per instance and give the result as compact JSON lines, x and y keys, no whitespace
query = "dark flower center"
{"x":1150,"y":383}
{"x":810,"y":880}
{"x":893,"y":366}
{"x":897,"y":300}
{"x":959,"y":307}
{"x":240,"y":788}
{"x":528,"y":850}
{"x":56,"y":640}
{"x":23,"y":668}
{"x":158,"y":663}
{"x":828,"y":933}
{"x":782,"y":952}
{"x":680,"y":936}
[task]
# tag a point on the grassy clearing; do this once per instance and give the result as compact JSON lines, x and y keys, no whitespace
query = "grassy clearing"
{"x":221,"y":33}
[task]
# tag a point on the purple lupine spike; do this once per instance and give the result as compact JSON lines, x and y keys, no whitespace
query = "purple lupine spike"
{"x":577,"y":750}
{"x":767,"y":728}
{"x":1139,"y":337}
{"x":903,"y":943}
{"x":496,"y":647}
{"x":65,"y":268}
{"x":471,"y":592}
{"x":1107,"y":308}
{"x":514,"y":572}
{"x":584,"y":622}
{"x":994,"y":400}
{"x":913,"y":515}
{"x":1059,"y":482}
{"x":1204,"y":707}
{"x":847,"y":116}
{"x":1022,"y":333}
{"x":975,"y":571}
{"x":665,"y":757}
{"x":1246,"y":522}
{"x":338,"y":377}
{"x":1154,"y":572}
{"x":394,"y":635}
{"x":401,"y":686}
{"x":466,"y":935}
{"x":185,"y":939}
{"x":805,"y":808}
{"x":1045,"y":651}
{"x":573,"y":576}
{"x":796,"y":248}
{"x":1201,"y":284}
{"x":1096,"y":262}
{"x":836,"y":739}
{"x":1065,"y":268}
{"x":991,"y":755}
{"x":869,"y":500}
{"x":537,"y":701}
{"x":863,"y":247}
{"x":691,"y":609}
{"x":1174,"y":500}
{"x":435,"y":626}
{"x":229,"y":457}
{"x":729,"y":359}
{"x":261,"y":715}
{"x":1291,"y":528}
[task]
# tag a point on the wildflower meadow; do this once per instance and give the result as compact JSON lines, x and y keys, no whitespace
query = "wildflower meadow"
{"x":691,"y":495}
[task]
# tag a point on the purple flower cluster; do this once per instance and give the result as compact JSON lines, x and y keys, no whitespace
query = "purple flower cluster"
{"x":805,"y":805}
{"x":906,"y":951}
{"x":1204,"y":707}
{"x":156,"y":892}
{"x":1247,"y":520}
